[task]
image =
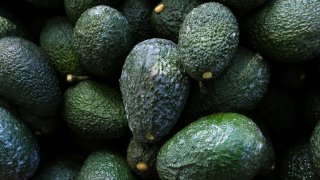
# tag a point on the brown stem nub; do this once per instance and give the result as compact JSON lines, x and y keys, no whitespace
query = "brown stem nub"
{"x":73,"y":78}
{"x":142,"y":166}
{"x":158,"y":9}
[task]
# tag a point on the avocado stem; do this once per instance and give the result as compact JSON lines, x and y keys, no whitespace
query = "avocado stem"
{"x":150,"y":137}
{"x":158,"y":9}
{"x":73,"y":78}
{"x":142,"y":166}
{"x":207,"y":75}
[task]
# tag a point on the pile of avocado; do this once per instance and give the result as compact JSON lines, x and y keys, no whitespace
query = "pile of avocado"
{"x":159,"y":89}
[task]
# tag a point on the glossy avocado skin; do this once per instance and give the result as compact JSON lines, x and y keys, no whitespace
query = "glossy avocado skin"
{"x":315,"y":148}
{"x":101,"y":39}
{"x":219,"y":146}
{"x":167,"y":23}
{"x":19,"y":154}
{"x":154,"y":88}
{"x":208,"y":39}
{"x":286,"y":30}
{"x":94,"y":110}
{"x":27,"y":79}
{"x":101,"y":165}
{"x":297,"y":163}
{"x":55,"y":40}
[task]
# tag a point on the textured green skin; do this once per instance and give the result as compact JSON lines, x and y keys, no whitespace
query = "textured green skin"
{"x":167,"y":23}
{"x":74,"y":8}
{"x":208,"y":39}
{"x":315,"y":148}
{"x":311,"y":107}
{"x":9,"y":25}
{"x":102,"y":165}
{"x":102,"y":39}
{"x":297,"y":163}
{"x":27,"y":79}
{"x":19,"y":155}
{"x":219,"y":146}
{"x":55,"y":40}
{"x":287,"y":30}
{"x":137,"y":13}
{"x":65,"y":168}
{"x":48,"y":4}
{"x":154,"y":88}
{"x":142,"y":152}
{"x":95,"y":110}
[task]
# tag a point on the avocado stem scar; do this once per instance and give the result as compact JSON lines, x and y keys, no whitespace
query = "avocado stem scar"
{"x":158,"y":9}
{"x":207,"y":75}
{"x":150,"y":137}
{"x":73,"y":78}
{"x":142,"y":166}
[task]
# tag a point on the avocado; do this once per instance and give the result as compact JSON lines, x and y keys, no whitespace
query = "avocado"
{"x":94,"y":110}
{"x":10,"y":26}
{"x":27,"y":80}
{"x":208,"y":40}
{"x":55,"y":40}
{"x":218,"y":146}
{"x":315,"y":148}
{"x":297,"y":163}
{"x":167,"y":17}
{"x":137,"y":13}
{"x":19,"y":153}
{"x":101,"y":165}
{"x":74,"y":8}
{"x":239,"y":88}
{"x":61,"y":168}
{"x":286,"y":30}
{"x":154,"y":88}
{"x":101,"y":39}
{"x":142,"y":157}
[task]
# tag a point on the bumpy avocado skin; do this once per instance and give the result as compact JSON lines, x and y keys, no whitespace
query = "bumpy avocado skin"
{"x":315,"y":148}
{"x":208,"y":40}
{"x":167,"y":23}
{"x":154,"y":88}
{"x":27,"y":79}
{"x":19,"y":154}
{"x":286,"y":30}
{"x":219,"y":146}
{"x":101,"y":165}
{"x":101,"y":39}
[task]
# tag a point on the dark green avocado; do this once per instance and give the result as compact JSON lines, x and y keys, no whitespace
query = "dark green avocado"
{"x":19,"y":154}
{"x":9,"y":25}
{"x":286,"y":30}
{"x":26,"y":78}
{"x":102,"y":165}
{"x":101,"y":40}
{"x":154,"y":88}
{"x":94,"y":110}
{"x":167,"y":17}
{"x":208,"y":40}
{"x":297,"y":163}
{"x":315,"y":148}
{"x":219,"y":146}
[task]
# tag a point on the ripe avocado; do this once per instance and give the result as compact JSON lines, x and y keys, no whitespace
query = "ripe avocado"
{"x":154,"y":88}
{"x":74,"y":8}
{"x":102,"y":165}
{"x":286,"y":30}
{"x":315,"y":148}
{"x":168,"y":15}
{"x":208,"y":40}
{"x":95,"y":111}
{"x":137,"y":13}
{"x":297,"y":163}
{"x":142,"y":158}
{"x":101,"y":40}
{"x":26,"y":78}
{"x":19,"y":154}
{"x":219,"y":146}
{"x":55,"y":40}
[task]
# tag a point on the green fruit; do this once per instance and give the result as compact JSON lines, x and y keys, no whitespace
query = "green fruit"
{"x":137,"y":13}
{"x":9,"y":25}
{"x":142,"y":158}
{"x":167,"y":17}
{"x":74,"y":8}
{"x":315,"y":148}
{"x":102,"y":165}
{"x":55,"y":40}
{"x":154,"y":88}
{"x":27,"y":79}
{"x":94,"y":110}
{"x":208,"y":39}
{"x":19,"y":155}
{"x":101,"y":40}
{"x":286,"y":30}
{"x":219,"y":146}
